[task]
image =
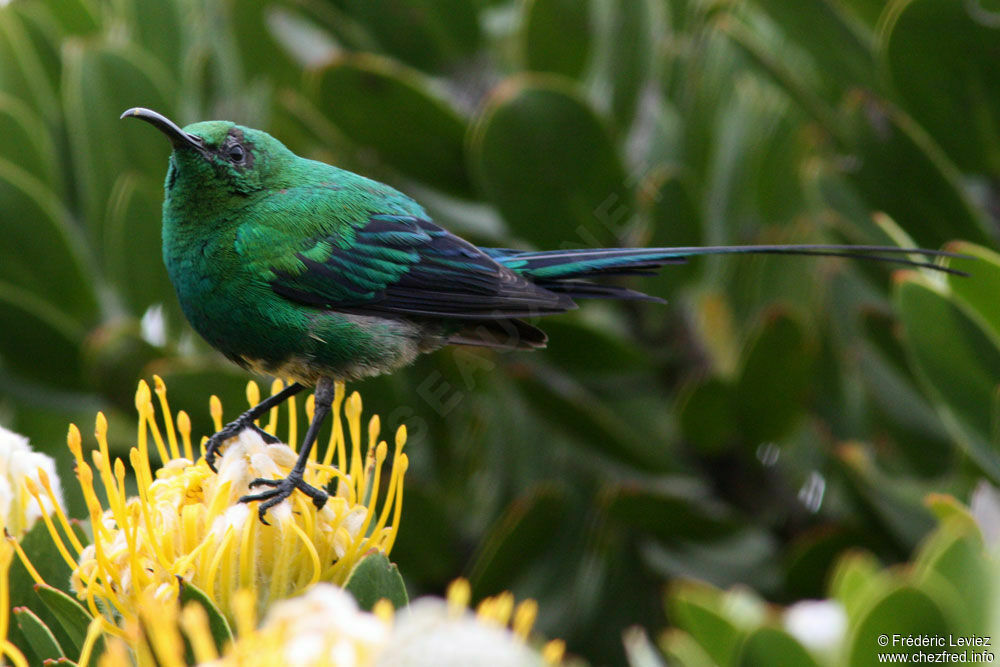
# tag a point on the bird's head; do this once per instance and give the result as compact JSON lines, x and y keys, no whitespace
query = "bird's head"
{"x":217,"y":160}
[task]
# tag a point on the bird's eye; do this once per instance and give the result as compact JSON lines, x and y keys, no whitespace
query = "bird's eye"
{"x":236,"y":153}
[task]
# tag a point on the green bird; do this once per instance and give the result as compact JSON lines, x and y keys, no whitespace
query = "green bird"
{"x":297,"y":269}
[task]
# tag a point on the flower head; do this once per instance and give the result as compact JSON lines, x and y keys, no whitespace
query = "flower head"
{"x":325,"y":628}
{"x":186,"y":526}
{"x":19,"y":507}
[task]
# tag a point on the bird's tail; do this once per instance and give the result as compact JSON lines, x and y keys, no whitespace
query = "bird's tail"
{"x":570,"y":271}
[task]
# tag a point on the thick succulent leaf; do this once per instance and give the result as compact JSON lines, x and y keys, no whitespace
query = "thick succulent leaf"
{"x":71,"y":615}
{"x":132,"y":244}
{"x":546,"y":160}
{"x":37,"y":635}
{"x":429,"y":34}
{"x":49,"y":258}
{"x":901,"y":171}
{"x":76,"y":17}
{"x":771,"y":390}
{"x":374,"y":578}
{"x":856,"y":581}
{"x":700,"y":611}
{"x":27,"y":142}
{"x":672,"y":510}
{"x":100,"y":83}
{"x":842,"y":53}
{"x":25,"y":71}
{"x":522,"y":534}
{"x":562,"y":400}
{"x":390,"y":109}
{"x":158,"y":27}
{"x":977,"y":293}
{"x":958,"y":362}
{"x":35,"y":324}
{"x":952,"y":559}
{"x":635,"y":26}
{"x":904,"y":611}
{"x":941,"y":57}
{"x":770,"y":646}
{"x":556,"y":36}
{"x":222,"y":634}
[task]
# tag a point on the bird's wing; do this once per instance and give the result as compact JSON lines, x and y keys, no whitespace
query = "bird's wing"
{"x":406,"y":265}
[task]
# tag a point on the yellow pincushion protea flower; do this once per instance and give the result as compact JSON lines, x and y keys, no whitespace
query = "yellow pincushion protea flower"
{"x":185,"y":525}
{"x":325,"y":628}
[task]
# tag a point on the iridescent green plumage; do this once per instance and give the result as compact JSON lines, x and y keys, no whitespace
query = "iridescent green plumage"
{"x":299,"y":269}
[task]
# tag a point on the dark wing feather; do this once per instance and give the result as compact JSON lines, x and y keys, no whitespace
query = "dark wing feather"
{"x":404,"y":265}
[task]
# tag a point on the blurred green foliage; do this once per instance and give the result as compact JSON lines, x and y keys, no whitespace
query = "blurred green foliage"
{"x":777,"y":412}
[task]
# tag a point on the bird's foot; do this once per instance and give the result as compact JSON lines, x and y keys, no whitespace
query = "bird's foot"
{"x":231,"y":430}
{"x":282,"y":489}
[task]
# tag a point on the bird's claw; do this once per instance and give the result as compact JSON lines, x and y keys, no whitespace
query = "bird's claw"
{"x":231,"y":430}
{"x":280,"y":490}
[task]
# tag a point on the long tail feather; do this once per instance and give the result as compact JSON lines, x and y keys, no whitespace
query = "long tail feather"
{"x":564,"y":264}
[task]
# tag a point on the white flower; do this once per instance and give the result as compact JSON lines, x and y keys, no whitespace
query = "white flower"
{"x":18,"y":508}
{"x":430,"y":633}
{"x":819,"y":624}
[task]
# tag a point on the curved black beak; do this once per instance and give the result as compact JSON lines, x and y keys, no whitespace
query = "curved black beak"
{"x":178,"y":137}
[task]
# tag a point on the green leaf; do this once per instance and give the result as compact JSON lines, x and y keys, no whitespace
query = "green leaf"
{"x":607,"y":353}
{"x":217,"y":623}
{"x":23,"y":69}
{"x":673,"y":509}
{"x":901,"y":171}
{"x":545,"y":158}
{"x":429,"y":34}
{"x":633,"y":30}
{"x":390,"y":109}
{"x":770,"y":646}
{"x":27,"y":142}
{"x":523,"y":533}
{"x":49,"y":259}
{"x":771,"y":390}
{"x":99,"y":84}
{"x":977,"y":293}
{"x":132,"y":244}
{"x":856,"y":580}
{"x":954,"y":556}
{"x":374,"y":578}
{"x":36,"y":633}
{"x":73,"y":618}
{"x":903,"y":611}
{"x":942,"y":63}
{"x":841,"y":52}
{"x":697,"y":609}
{"x":708,"y":416}
{"x":958,"y":363}
{"x":39,"y":325}
{"x":556,"y":36}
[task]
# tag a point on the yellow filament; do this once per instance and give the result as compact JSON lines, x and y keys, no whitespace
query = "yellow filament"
{"x":244,"y":603}
{"x":458,"y":595}
{"x":12,"y":652}
{"x":311,"y":549}
{"x":32,"y":488}
{"x":161,"y":393}
{"x":215,"y":408}
{"x":184,"y":426}
{"x":213,"y":567}
{"x":253,"y":394}
{"x":553,"y":651}
{"x":293,"y":423}
{"x":524,"y":618}
{"x":352,"y":410}
{"x":93,"y":633}
{"x":23,"y":557}
{"x":43,"y":477}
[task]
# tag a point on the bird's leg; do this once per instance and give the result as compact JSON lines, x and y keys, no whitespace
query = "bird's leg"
{"x":246,"y":420}
{"x":282,"y":488}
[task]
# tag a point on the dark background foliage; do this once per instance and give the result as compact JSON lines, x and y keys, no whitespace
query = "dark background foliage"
{"x":775,"y":413}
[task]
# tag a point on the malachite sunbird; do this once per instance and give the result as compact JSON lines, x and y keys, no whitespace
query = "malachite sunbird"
{"x":297,"y":269}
